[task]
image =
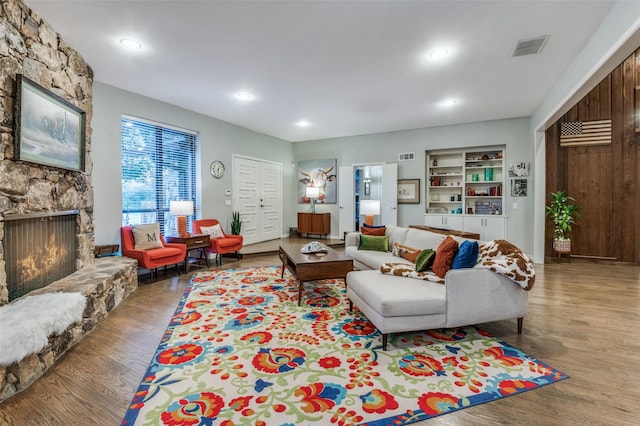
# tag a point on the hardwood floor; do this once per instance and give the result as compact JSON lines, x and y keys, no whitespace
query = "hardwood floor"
{"x":583,"y":320}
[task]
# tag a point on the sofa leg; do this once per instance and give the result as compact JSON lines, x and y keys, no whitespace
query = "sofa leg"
{"x":385,"y":338}
{"x":520,"y":322}
{"x":350,"y":306}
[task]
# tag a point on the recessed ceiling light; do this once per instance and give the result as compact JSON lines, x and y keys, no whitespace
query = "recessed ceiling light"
{"x":244,"y":96}
{"x":303,"y":123}
{"x":130,"y":43}
{"x":449,"y":102}
{"x":439,"y":53}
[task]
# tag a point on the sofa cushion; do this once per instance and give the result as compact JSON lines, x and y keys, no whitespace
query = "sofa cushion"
{"x":425,"y":259}
{"x":396,"y":234}
{"x":393,"y":296}
{"x":370,"y":242}
{"x":445,"y":253}
{"x":371,"y":259}
{"x":467,"y":255}
{"x":164,"y":252}
{"x":405,"y":252}
{"x":146,"y":237}
{"x":422,"y":239}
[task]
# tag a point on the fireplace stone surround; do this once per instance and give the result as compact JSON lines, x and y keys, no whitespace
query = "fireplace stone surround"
{"x":30,"y":46}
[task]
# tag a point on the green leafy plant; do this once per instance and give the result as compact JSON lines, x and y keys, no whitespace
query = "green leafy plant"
{"x":236,"y":223}
{"x":564,"y":212}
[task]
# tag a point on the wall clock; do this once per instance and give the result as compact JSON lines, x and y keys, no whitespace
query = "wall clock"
{"x":217,"y":169}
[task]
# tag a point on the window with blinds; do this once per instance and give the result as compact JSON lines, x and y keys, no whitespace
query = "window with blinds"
{"x":158,"y":166}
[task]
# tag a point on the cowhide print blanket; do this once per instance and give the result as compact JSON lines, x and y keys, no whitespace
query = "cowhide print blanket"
{"x":502,"y":257}
{"x":409,"y":270}
{"x":499,"y":256}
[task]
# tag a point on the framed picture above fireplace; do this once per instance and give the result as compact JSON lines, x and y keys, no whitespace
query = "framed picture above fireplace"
{"x":49,"y":130}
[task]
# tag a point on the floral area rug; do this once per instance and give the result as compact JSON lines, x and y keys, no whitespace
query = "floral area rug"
{"x":239,"y":350}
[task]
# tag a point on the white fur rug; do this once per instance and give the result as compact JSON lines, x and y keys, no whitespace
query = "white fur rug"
{"x":27,"y":323}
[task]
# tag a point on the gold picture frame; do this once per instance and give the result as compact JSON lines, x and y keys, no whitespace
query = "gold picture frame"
{"x":408,"y":191}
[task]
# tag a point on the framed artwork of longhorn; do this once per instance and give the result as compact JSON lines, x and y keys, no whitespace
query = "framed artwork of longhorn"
{"x":319,"y":174}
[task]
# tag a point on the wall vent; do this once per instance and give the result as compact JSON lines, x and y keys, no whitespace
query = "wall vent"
{"x":406,"y":156}
{"x":530,"y":46}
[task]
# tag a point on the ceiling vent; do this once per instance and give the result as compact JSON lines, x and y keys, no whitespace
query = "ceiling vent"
{"x":530,"y":46}
{"x":406,"y":156}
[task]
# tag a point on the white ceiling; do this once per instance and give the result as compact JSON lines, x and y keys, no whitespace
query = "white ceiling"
{"x":348,"y":67}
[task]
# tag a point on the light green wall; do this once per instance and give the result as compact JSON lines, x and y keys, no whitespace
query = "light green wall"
{"x":218,"y":141}
{"x":515,"y":134}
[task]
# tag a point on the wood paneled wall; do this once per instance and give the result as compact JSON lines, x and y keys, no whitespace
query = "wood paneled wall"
{"x":604,"y":179}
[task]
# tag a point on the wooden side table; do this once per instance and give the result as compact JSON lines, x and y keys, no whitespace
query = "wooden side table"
{"x":314,"y":223}
{"x":193,"y":242}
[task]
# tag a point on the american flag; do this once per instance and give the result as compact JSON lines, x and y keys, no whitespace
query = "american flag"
{"x":581,"y":133}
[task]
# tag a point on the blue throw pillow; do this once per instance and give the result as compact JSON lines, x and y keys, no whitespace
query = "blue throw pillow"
{"x":467,"y":255}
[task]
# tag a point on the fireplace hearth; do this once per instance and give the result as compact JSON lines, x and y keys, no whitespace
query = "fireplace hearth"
{"x":39,"y":249}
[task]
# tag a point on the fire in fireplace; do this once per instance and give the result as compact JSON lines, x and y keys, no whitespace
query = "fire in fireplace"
{"x":39,"y":249}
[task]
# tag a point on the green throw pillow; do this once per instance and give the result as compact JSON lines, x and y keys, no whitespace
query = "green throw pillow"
{"x":425,"y":260}
{"x":370,"y":242}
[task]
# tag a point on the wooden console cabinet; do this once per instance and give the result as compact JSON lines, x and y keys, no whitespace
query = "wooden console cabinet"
{"x":314,"y":223}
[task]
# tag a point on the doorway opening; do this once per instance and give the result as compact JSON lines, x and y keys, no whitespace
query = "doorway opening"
{"x":367,"y":186}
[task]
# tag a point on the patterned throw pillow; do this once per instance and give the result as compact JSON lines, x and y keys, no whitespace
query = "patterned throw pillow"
{"x":214,"y":231}
{"x":371,"y":242}
{"x":425,"y":260}
{"x":146,"y":237}
{"x":445,"y":253}
{"x":405,"y":252}
{"x":467,"y":255}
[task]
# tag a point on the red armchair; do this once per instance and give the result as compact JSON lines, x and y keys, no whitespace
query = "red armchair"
{"x":226,"y":244}
{"x":169,"y":254}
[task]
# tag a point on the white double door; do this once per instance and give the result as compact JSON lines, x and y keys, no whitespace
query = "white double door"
{"x":257,"y":195}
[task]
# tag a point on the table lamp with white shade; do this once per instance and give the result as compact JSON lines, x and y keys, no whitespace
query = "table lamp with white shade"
{"x":369,"y":208}
{"x":312,"y":193}
{"x":181,"y":209}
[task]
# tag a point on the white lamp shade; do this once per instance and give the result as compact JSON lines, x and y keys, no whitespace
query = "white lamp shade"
{"x":312,"y":192}
{"x":370,"y":207}
{"x":181,"y":208}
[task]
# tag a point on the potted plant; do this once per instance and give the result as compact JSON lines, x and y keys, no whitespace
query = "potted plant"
{"x":236,"y":223}
{"x":563,"y":211}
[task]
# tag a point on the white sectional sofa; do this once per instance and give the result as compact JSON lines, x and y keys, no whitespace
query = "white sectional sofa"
{"x":396,"y":304}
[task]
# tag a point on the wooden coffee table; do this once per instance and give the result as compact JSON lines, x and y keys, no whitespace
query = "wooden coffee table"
{"x":309,"y":267}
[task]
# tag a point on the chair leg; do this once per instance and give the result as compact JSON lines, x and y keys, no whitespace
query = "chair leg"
{"x":237,"y":255}
{"x":177,"y":269}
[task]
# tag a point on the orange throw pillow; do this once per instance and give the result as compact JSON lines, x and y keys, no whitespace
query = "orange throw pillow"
{"x":378,"y":232}
{"x":445,"y":253}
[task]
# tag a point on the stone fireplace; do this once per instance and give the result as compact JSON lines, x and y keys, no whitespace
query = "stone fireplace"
{"x":39,"y":196}
{"x":39,"y":249}
{"x":35,"y":50}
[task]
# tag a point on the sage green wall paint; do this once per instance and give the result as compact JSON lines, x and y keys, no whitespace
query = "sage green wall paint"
{"x":218,"y":141}
{"x":514,"y":134}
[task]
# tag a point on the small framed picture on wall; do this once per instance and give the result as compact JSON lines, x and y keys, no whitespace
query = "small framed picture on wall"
{"x":518,"y":187}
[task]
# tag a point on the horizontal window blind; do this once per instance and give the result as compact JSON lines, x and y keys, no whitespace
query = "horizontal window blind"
{"x":158,"y":166}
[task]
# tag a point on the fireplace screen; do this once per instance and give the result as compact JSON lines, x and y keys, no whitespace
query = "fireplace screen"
{"x":38,"y":250}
